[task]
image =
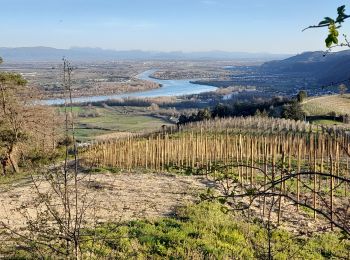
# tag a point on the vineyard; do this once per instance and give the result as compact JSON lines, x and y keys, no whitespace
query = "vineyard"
{"x":340,"y":104}
{"x":262,"y":159}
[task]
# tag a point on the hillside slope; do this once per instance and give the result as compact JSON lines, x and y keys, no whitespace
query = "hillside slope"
{"x":327,"y":69}
{"x":327,"y":104}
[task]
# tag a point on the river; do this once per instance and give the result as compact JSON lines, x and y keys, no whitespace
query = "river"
{"x":168,"y":88}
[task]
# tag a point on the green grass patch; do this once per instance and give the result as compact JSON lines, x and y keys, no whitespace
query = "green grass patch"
{"x":105,"y":169}
{"x":76,"y":109}
{"x":92,"y":122}
{"x":12,"y":178}
{"x":203,"y":231}
{"x":208,"y":231}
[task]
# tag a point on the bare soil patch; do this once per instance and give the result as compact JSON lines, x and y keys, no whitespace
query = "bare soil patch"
{"x":131,"y":196}
{"x":113,"y":197}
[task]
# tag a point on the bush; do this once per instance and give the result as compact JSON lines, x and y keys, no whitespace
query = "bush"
{"x":293,"y":111}
{"x":203,"y":114}
{"x":302,"y":95}
{"x":66,"y":141}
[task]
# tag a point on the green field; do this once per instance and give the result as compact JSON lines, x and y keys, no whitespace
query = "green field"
{"x":327,"y":122}
{"x":327,"y":104}
{"x":109,"y":122}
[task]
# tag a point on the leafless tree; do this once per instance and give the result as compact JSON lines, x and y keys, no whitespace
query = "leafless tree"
{"x":60,"y":205}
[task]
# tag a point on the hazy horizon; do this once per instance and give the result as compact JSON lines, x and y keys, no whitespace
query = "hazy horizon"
{"x":151,"y":50}
{"x":274,"y":26}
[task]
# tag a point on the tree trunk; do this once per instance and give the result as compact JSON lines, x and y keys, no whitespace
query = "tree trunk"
{"x":12,"y":159}
{"x":4,"y":164}
{"x":13,"y":163}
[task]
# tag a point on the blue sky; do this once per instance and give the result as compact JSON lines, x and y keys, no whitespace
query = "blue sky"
{"x":167,"y":25}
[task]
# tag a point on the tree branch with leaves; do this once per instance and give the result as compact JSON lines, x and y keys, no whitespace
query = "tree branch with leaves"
{"x":333,"y":25}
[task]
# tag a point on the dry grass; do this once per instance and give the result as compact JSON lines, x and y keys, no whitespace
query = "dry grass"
{"x":326,"y":104}
{"x":116,"y":135}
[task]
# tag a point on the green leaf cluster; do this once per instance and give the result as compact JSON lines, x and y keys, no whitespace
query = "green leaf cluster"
{"x":333,"y":26}
{"x":332,"y":36}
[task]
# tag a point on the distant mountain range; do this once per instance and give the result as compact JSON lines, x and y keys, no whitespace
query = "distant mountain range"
{"x":334,"y":67}
{"x":32,"y":54}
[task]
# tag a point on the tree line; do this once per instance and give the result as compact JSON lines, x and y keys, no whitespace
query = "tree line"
{"x":279,"y":107}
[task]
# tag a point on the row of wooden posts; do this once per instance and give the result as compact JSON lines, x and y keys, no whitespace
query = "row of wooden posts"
{"x":244,"y":146}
